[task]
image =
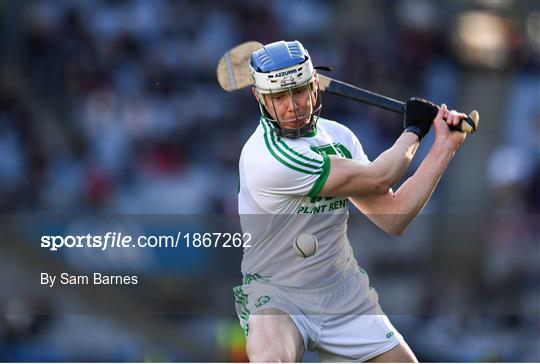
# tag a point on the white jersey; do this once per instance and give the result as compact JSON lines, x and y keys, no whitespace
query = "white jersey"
{"x":280,"y":179}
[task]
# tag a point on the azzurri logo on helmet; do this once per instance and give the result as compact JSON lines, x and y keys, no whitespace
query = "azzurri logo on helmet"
{"x":283,"y":67}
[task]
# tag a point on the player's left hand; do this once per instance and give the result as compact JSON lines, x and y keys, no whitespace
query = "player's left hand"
{"x":442,"y":123}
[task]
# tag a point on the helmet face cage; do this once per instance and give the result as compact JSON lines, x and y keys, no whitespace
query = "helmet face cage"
{"x":299,"y":131}
{"x":285,"y":67}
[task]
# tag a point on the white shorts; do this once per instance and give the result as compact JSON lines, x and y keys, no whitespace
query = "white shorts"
{"x":342,"y":320}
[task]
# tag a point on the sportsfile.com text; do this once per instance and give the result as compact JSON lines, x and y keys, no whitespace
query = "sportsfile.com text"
{"x":121,"y":240}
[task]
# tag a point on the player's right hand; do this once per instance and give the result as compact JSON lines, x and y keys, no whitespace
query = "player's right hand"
{"x":419,"y":115}
{"x":442,"y":123}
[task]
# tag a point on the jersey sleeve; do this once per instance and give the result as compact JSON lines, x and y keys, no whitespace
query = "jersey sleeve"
{"x":287,"y":169}
{"x":358,"y":151}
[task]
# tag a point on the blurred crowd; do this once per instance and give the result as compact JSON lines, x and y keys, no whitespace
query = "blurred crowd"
{"x":113,"y":107}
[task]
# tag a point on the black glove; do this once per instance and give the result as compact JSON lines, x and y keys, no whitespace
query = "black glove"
{"x":419,"y":115}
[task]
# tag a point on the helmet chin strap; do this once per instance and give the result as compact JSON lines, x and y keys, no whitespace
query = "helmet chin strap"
{"x":300,"y":130}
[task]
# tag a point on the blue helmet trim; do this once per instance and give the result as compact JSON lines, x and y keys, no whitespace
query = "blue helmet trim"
{"x":278,"y":55}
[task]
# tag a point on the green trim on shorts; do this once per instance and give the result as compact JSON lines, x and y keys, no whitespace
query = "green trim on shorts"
{"x":241,"y":298}
{"x":248,"y":278}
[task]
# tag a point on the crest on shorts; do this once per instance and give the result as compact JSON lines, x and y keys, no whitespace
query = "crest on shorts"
{"x":262,"y":300}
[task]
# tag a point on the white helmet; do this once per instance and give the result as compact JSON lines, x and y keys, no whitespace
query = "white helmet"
{"x":282,"y":66}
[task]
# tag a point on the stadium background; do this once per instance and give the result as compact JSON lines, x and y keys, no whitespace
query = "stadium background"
{"x":112,"y":107}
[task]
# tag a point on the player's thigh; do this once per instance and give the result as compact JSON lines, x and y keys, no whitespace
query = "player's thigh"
{"x":273,"y":336}
{"x":398,"y":354}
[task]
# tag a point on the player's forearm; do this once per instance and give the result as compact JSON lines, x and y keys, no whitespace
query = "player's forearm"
{"x":414,"y":193}
{"x":353,"y":178}
{"x":393,"y":163}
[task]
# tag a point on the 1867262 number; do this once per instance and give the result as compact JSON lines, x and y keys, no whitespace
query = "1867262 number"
{"x":217,"y":240}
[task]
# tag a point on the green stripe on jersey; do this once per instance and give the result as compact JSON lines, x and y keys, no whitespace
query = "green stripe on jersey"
{"x":315,"y":161}
{"x":322,"y":179}
{"x":289,"y":155}
{"x":271,"y":144}
{"x":318,"y":162}
{"x":289,"y":152}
